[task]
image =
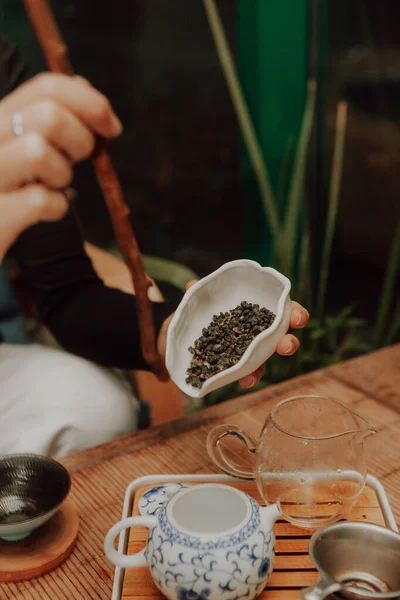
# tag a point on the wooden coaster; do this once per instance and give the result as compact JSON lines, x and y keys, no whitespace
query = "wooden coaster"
{"x":44,"y":550}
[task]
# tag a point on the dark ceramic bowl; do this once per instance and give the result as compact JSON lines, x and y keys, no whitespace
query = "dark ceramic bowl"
{"x":32,"y":489}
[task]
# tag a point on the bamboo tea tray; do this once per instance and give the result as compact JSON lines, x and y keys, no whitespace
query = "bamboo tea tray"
{"x":293,"y":568}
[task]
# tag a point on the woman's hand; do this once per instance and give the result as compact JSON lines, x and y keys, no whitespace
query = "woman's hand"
{"x":288,"y":344}
{"x":46,"y":126}
{"x":286,"y":347}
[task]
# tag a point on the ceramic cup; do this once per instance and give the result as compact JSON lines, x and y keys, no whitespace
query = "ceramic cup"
{"x":32,"y":489}
{"x":207,"y":542}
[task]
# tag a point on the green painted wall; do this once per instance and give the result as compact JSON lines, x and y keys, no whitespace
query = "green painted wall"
{"x":14,"y":23}
{"x":272,"y":62}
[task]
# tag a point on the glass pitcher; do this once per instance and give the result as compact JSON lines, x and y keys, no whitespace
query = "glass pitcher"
{"x":309,"y":458}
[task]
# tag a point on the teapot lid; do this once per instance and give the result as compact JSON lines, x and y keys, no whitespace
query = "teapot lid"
{"x":209,"y":516}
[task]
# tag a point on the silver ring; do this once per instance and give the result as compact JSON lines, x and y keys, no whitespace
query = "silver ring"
{"x":17,"y":126}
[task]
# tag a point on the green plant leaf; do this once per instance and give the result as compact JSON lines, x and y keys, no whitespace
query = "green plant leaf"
{"x":161,"y":269}
{"x":342,"y":315}
{"x":297,"y":181}
{"x":332,"y":360}
{"x":395,"y":327}
{"x":314,"y":323}
{"x":283,"y":173}
{"x":334,"y":195}
{"x":364,"y":347}
{"x":355,"y":322}
{"x":329,"y":360}
{"x":331,"y":331}
{"x":304,"y":284}
{"x":195,"y":405}
{"x":388,"y":288}
{"x":244,"y":117}
{"x":330,"y":322}
{"x":351,"y":342}
{"x":317,"y":334}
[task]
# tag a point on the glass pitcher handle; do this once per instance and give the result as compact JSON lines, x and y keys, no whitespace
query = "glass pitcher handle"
{"x":216,"y":453}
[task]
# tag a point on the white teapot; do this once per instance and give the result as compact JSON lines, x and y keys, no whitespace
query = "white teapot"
{"x":206,"y":542}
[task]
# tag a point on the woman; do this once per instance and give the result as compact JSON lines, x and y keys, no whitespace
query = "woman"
{"x":52,"y":401}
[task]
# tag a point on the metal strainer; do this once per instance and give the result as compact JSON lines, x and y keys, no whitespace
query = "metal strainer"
{"x":356,"y":561}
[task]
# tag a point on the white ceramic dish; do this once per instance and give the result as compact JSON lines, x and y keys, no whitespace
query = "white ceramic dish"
{"x":222,"y":291}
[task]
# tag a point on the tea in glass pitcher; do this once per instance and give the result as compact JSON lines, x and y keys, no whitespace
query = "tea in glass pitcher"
{"x":309,"y":459}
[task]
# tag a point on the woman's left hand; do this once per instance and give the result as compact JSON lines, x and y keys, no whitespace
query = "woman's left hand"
{"x":287,"y":346}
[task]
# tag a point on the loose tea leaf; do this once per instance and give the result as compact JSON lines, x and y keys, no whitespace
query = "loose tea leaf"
{"x":225,"y":340}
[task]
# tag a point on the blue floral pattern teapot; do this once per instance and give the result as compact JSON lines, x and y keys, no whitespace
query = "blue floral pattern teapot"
{"x":205,"y":542}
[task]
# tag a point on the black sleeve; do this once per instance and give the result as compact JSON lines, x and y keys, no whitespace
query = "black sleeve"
{"x":87,"y":318}
{"x":13,"y":70}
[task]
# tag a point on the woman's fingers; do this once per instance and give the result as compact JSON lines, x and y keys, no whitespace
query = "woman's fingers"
{"x":73,"y":93}
{"x":37,"y":202}
{"x":299,"y":316}
{"x":288,"y":345}
{"x":59,"y":117}
{"x":40,"y":161}
{"x":253,"y":379}
{"x":60,"y":127}
{"x":25,"y":207}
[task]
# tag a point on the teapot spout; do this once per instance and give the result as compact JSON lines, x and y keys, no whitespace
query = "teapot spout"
{"x":269,"y":514}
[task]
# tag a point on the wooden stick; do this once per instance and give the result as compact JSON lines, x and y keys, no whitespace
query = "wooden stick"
{"x":56,"y":55}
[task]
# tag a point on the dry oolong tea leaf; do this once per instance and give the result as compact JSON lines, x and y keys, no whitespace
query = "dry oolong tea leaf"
{"x":225,"y":340}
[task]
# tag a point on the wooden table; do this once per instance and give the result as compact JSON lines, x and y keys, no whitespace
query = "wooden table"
{"x":370,"y":385}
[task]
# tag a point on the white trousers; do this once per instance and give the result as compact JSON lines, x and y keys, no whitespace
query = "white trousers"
{"x":54,"y":403}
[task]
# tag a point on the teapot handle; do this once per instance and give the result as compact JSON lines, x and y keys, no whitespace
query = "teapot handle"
{"x":322,"y":588}
{"x":123,"y":560}
{"x":216,"y":453}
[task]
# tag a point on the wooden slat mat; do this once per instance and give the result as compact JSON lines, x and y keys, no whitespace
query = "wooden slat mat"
{"x":293,"y":569}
